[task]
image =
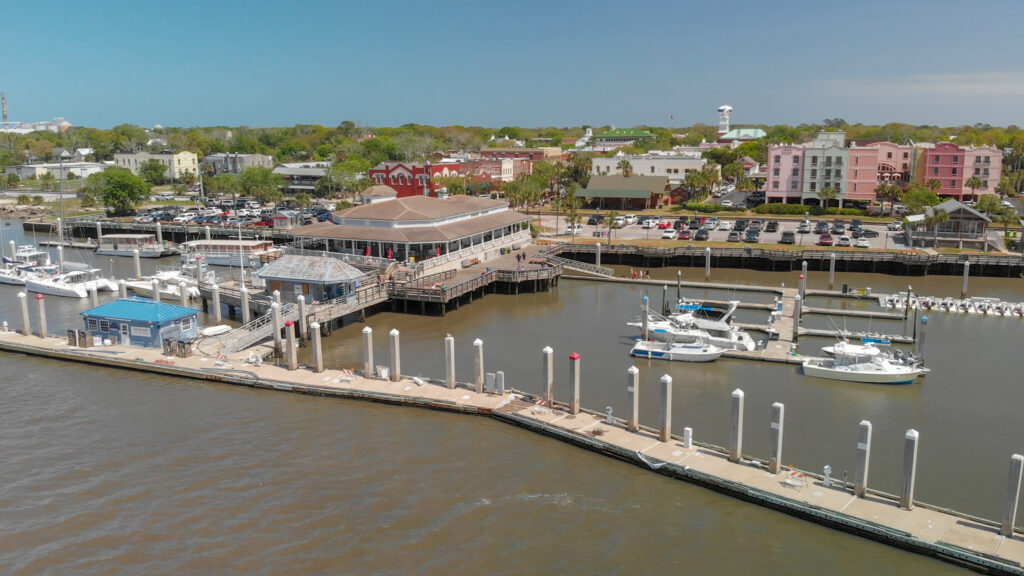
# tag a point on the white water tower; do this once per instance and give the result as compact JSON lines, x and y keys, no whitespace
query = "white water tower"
{"x":723,"y":118}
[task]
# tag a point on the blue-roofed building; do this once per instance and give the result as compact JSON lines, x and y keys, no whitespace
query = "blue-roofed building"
{"x":142,"y":322}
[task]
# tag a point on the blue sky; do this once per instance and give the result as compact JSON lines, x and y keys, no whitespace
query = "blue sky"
{"x":522,"y":63}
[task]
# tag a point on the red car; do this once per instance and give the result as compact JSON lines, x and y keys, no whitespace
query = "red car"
{"x":684,"y":234}
{"x":825,"y":240}
{"x":664,"y":225}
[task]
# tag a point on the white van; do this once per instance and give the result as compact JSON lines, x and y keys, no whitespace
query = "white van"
{"x":252,"y":205}
{"x":631,"y":219}
{"x":619,"y":221}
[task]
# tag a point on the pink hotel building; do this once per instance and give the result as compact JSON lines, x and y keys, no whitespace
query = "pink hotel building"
{"x":796,"y":172}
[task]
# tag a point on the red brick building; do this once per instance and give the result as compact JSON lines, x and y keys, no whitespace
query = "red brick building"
{"x":410,"y":178}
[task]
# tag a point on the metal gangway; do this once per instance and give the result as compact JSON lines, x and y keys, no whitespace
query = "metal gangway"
{"x":255,"y":331}
{"x":582,"y":266}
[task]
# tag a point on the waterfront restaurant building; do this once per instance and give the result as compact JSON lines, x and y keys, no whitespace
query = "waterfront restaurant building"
{"x":315,"y":278}
{"x":141,"y":322}
{"x":421,"y":228}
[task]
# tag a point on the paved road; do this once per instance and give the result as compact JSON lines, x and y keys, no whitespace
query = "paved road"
{"x":885,"y":239}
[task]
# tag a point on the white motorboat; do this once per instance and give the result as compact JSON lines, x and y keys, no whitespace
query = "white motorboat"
{"x":880,"y":369}
{"x":248,"y":253}
{"x":699,"y":351}
{"x":868,"y":348}
{"x":127,"y":244}
{"x":28,"y":255}
{"x":74,"y":284}
{"x":707,"y":321}
{"x":18,"y":275}
{"x":169,"y":281}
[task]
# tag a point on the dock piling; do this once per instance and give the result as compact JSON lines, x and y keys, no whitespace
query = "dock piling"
{"x":548,"y":366}
{"x":489,"y":382}
{"x":797,"y":306}
{"x":138,"y":264}
{"x":707,"y":264}
{"x":778,"y":416}
{"x":1012,"y":495}
{"x":679,"y":285}
{"x":831,"y":270}
{"x":633,"y":390}
{"x":665,"y":433}
{"x":449,"y":362}
{"x":688,"y":438}
{"x":395,"y":355}
{"x":183,"y":294}
{"x":967,"y":274}
{"x":736,"y":427}
{"x":909,"y":469}
{"x":597,"y":255}
{"x":664,"y":300}
{"x":645,"y":318}
{"x":60,"y":235}
{"x":94,"y":296}
{"x":478,"y":365}
{"x":574,"y":383}
{"x":293,"y":361}
{"x":303,"y":326}
{"x":860,"y":486}
{"x":60,"y":257}
{"x":207,"y":233}
{"x":246,"y":313}
{"x":215,"y":289}
{"x":155,"y":287}
{"x":368,"y":352}
{"x":99,"y":231}
{"x":26,"y":325}
{"x":42,"y":315}
{"x":159,"y":233}
{"x":275,"y":317}
{"x":13,"y":247}
{"x":922,"y":337}
{"x":318,"y":351}
{"x":276,"y":294}
{"x":499,"y":382}
{"x":122,"y":289}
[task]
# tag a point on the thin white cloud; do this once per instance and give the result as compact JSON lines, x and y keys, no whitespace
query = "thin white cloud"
{"x":976,"y":86}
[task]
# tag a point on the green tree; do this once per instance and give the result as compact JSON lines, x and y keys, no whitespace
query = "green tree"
{"x":746,"y":185}
{"x":37,"y":200}
{"x":577,"y":169}
{"x":261,"y":184}
{"x":122,"y":190}
{"x":624,"y":166}
{"x":222,"y":185}
{"x":918,"y":197}
{"x":973,"y":183}
{"x":47,"y":181}
{"x":13,"y":180}
{"x":934,"y":184}
{"x":188,"y":178}
{"x":345,"y":175}
{"x":989,"y":204}
{"x":932,"y":221}
{"x":1006,"y":187}
{"x":24,"y":199}
{"x":827,"y":195}
{"x":303,"y":200}
{"x":152,"y":171}
{"x":732,"y":171}
{"x":889,"y":192}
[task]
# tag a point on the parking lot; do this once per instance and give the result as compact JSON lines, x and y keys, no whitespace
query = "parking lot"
{"x":885,"y":238}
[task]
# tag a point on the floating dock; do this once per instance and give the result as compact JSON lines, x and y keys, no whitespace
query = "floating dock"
{"x":900,"y":521}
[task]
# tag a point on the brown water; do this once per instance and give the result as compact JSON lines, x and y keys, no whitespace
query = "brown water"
{"x":111,"y":472}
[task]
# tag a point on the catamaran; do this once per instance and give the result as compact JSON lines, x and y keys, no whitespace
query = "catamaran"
{"x":247,"y":253}
{"x":75,"y":284}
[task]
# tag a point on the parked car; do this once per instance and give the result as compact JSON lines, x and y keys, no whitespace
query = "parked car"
{"x":865,"y":233}
{"x":894,"y":226}
{"x":681,"y":224}
{"x":844,"y":241}
{"x":701,"y":235}
{"x":804,"y":227}
{"x":631,"y":219}
{"x":788,"y":237}
{"x":838,"y":227}
{"x":595,"y":219}
{"x":711,"y":223}
{"x":734,"y":236}
{"x":740,"y":225}
{"x":725,"y":225}
{"x":574,"y":229}
{"x":821,"y":227}
{"x":862,"y":243}
{"x":752,"y":236}
{"x":668,"y":234}
{"x":664,"y":224}
{"x":756,"y":225}
{"x":619,"y":222}
{"x":685,"y":235}
{"x":727,"y":203}
{"x":324,"y":217}
{"x":185,"y":218}
{"x":856,"y":224}
{"x":772,"y":226}
{"x":825,"y":239}
{"x":652,"y":222}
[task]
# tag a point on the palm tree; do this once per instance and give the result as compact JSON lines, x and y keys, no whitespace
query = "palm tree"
{"x":624,"y":166}
{"x":827,"y":194}
{"x":889,"y":192}
{"x":934,"y":184}
{"x":937,"y":217}
{"x":973,"y":183}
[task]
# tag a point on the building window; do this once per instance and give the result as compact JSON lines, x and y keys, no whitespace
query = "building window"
{"x":888,"y":154}
{"x":652,"y":170}
{"x":952,"y":183}
{"x":814,"y":173}
{"x":985,"y":172}
{"x":91,"y":325}
{"x":855,"y":172}
{"x":839,"y":173}
{"x":956,"y":159}
{"x":796,"y":160}
{"x":906,"y":155}
{"x":935,"y":159}
{"x":778,"y":159}
{"x":814,"y":186}
{"x":775,"y":184}
{"x":794,"y":185}
{"x":796,"y":171}
{"x":775,"y":172}
{"x":186,"y":324}
{"x":954,"y":171}
{"x":104,"y":325}
{"x":856,"y":160}
{"x":987,"y":159}
{"x":977,"y":171}
{"x":904,"y":165}
{"x":984,"y":183}
{"x":935,"y":171}
{"x":814,"y":160}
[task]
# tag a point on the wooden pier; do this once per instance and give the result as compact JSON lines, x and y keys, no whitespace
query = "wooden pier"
{"x":934,"y":531}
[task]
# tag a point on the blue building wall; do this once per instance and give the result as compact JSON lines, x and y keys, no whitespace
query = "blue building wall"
{"x":142,"y":333}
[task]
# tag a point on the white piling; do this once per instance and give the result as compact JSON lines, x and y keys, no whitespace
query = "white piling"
{"x":13,"y":248}
{"x":967,"y":274}
{"x":860,"y":486}
{"x":318,"y":351}
{"x":574,"y":383}
{"x":183,"y":294}
{"x":489,"y":382}
{"x":155,"y":287}
{"x":831,"y":270}
{"x":94,"y":296}
{"x":688,"y":438}
{"x":665,"y":434}
{"x":707,"y":264}
{"x":138,"y":264}
{"x":679,"y":285}
{"x":303,"y":321}
{"x":368,"y":352}
{"x":478,"y":365}
{"x":246,"y":313}
{"x":797,"y":306}
{"x":909,"y":469}
{"x":499,"y":382}
{"x":395,"y":355}
{"x":122,"y":289}
{"x":778,"y":419}
{"x":26,"y":325}
{"x":633,"y":390}
{"x":215,"y":290}
{"x":736,"y":427}
{"x":1012,"y":495}
{"x":60,"y":258}
{"x":293,"y":362}
{"x":548,"y":366}
{"x":597,"y":255}
{"x":42,"y":315}
{"x":60,"y":231}
{"x":207,"y":231}
{"x":449,"y":362}
{"x":99,"y":231}
{"x":276,"y":294}
{"x":159,"y":233}
{"x":275,"y":317}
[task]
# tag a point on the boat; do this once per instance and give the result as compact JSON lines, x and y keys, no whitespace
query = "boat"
{"x":881,"y":369}
{"x":709,"y":322}
{"x":75,"y":284}
{"x":699,"y":351}
{"x":169,"y":281}
{"x":868,"y":348}
{"x":248,"y":253}
{"x":18,"y":275}
{"x":127,"y":244}
{"x":215,"y":330}
{"x":28,"y":255}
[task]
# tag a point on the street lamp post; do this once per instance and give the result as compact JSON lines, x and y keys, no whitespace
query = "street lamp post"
{"x":63,"y":156}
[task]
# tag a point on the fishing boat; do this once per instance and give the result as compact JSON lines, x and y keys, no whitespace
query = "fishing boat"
{"x":28,"y":255}
{"x":170,"y":279}
{"x":710,"y":322}
{"x":699,"y":351}
{"x":248,"y":253}
{"x":19,"y":275}
{"x":127,"y":244}
{"x":75,"y":284}
{"x":868,"y":348}
{"x":880,"y":369}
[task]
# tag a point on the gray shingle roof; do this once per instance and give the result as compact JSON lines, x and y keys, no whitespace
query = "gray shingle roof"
{"x":315,"y":269}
